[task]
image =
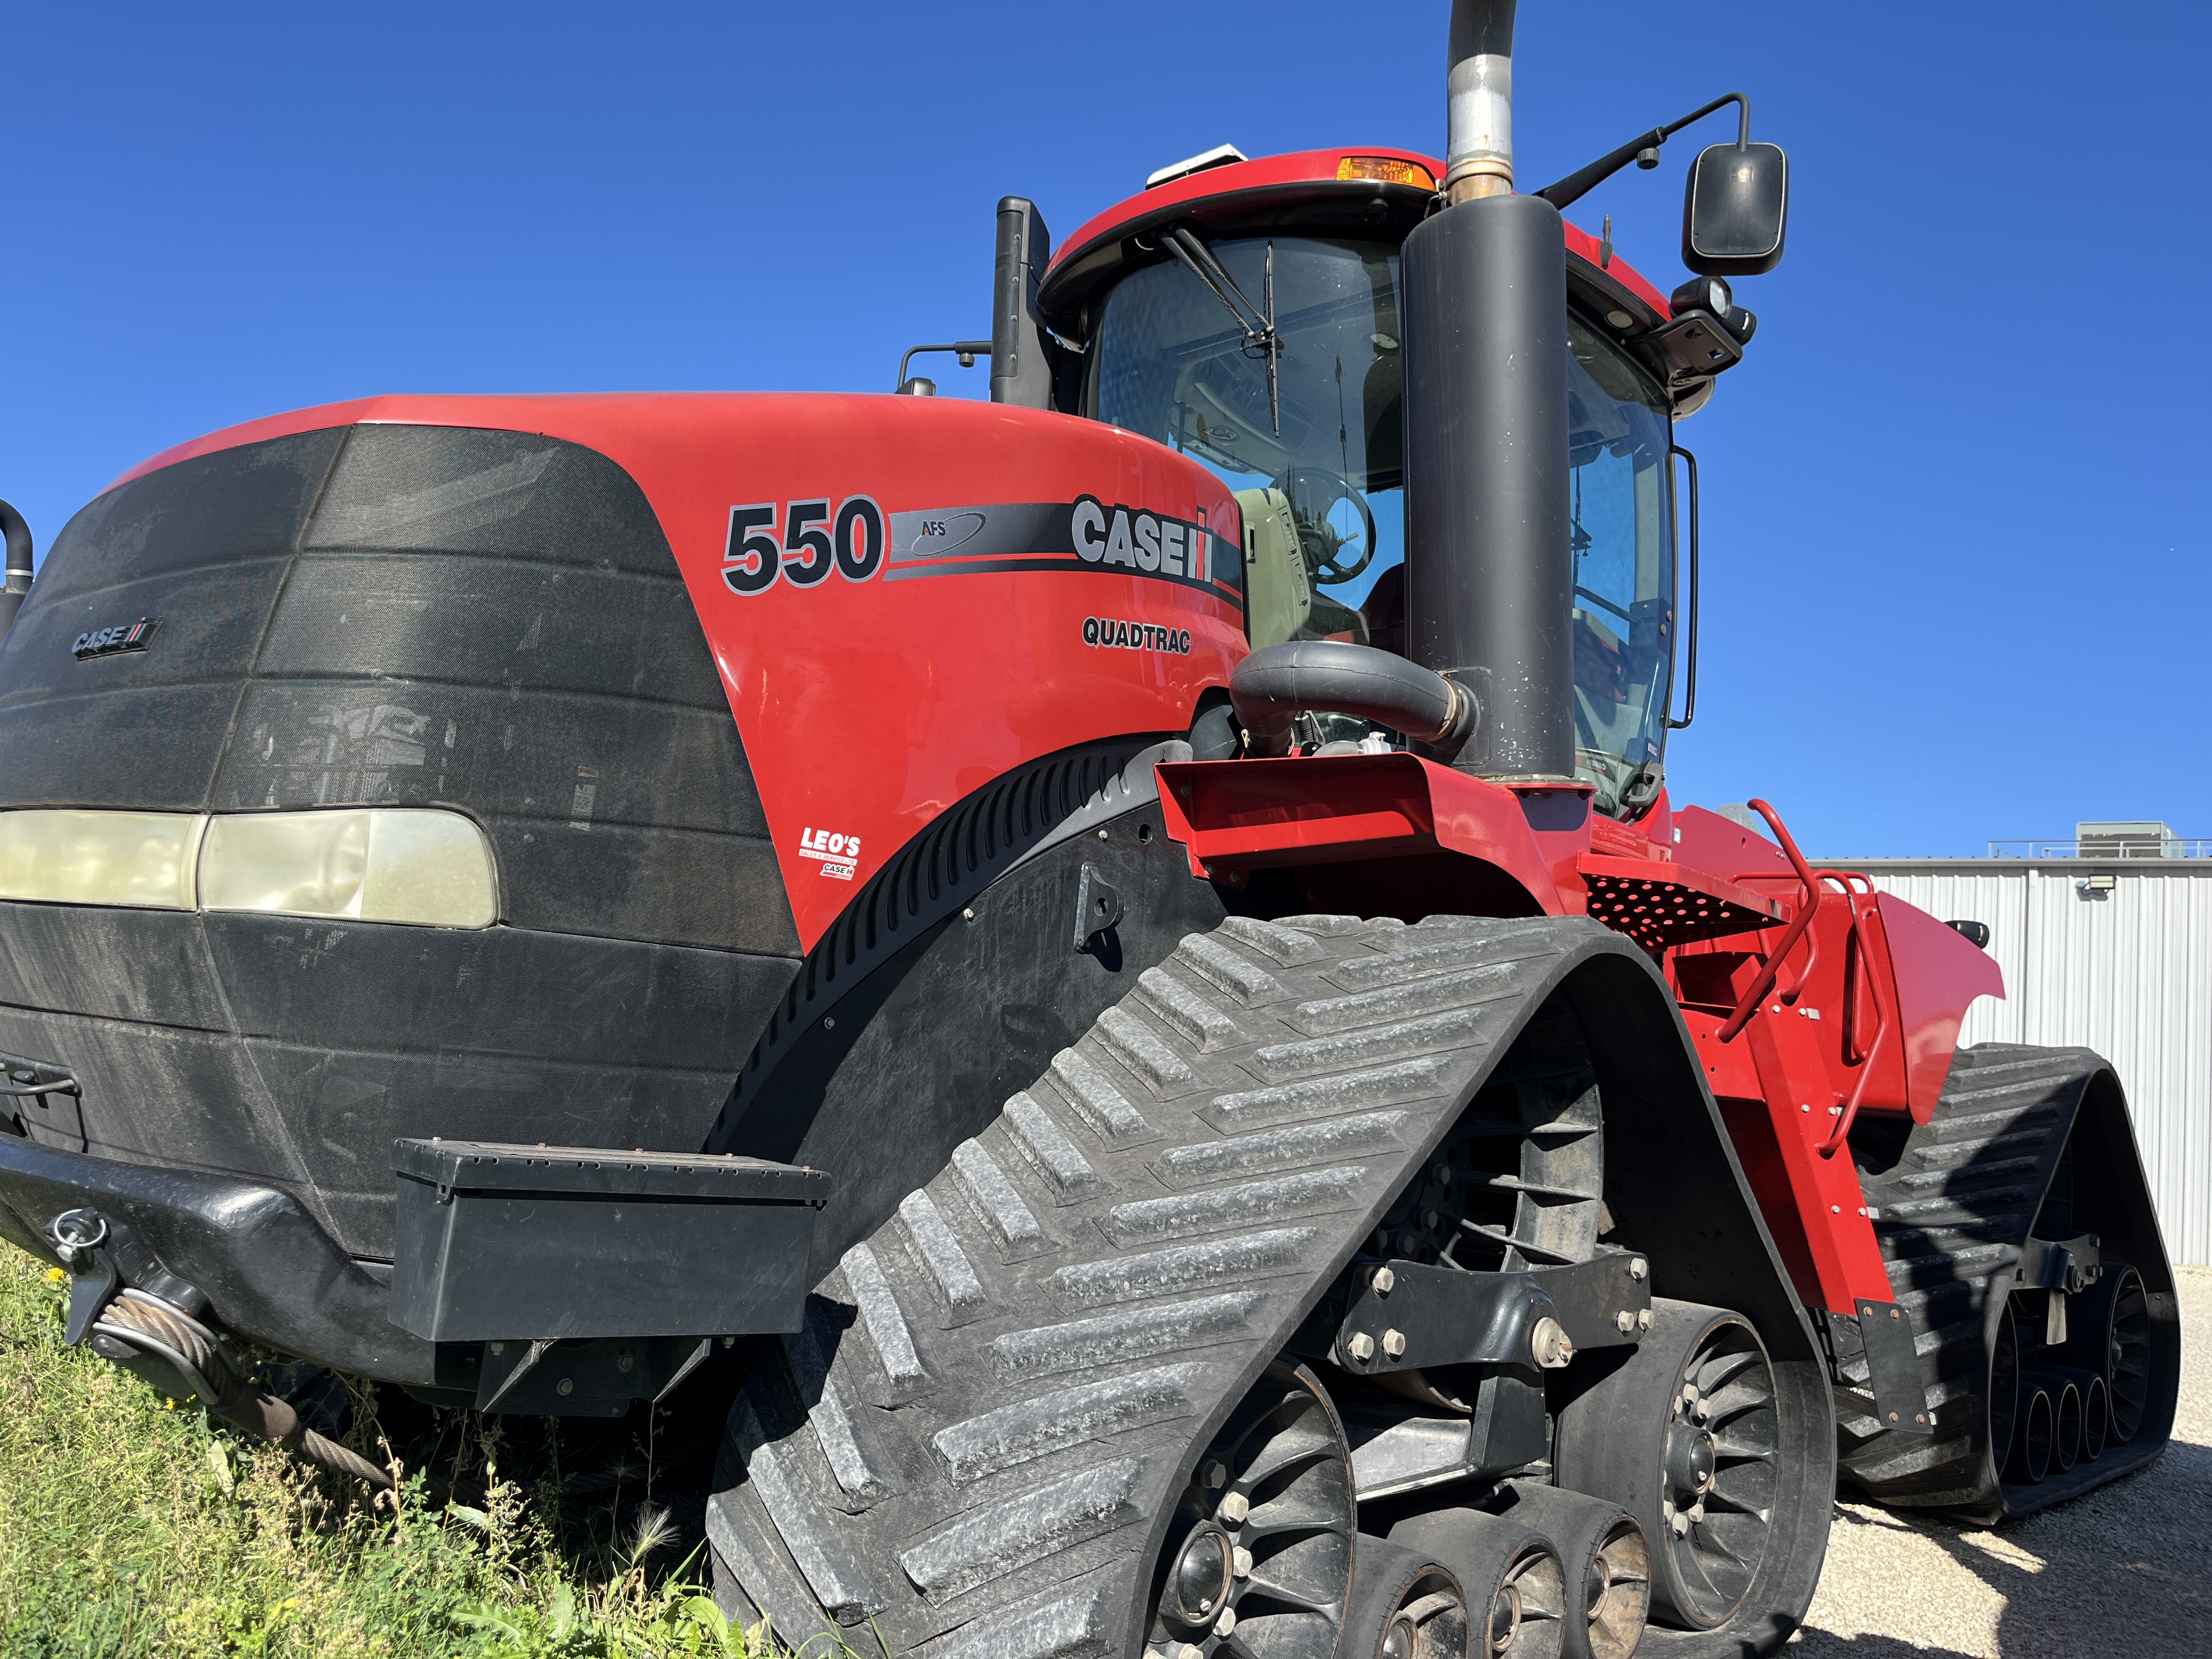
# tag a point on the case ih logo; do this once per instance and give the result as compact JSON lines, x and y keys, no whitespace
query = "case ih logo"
{"x":835,"y":853}
{"x":112,"y":642}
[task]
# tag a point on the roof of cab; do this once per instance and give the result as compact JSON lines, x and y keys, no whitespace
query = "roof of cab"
{"x":1309,"y":176}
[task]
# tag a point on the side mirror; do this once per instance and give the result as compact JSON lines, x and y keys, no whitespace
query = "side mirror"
{"x":1737,"y":209}
{"x":1021,"y":359}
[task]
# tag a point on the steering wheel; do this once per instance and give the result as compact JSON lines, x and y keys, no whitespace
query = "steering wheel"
{"x":1314,"y":492}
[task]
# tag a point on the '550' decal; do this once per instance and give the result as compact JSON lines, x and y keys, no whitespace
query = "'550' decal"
{"x":814,"y":544}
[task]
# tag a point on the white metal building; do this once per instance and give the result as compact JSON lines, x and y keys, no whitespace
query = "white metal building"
{"x":2109,"y":948}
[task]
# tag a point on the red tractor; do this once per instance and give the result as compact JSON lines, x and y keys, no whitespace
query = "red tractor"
{"x":1123,"y":952}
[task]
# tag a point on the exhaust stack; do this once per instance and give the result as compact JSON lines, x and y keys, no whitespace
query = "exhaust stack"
{"x":1488,"y":577}
{"x":1478,"y":156}
{"x":16,"y":586}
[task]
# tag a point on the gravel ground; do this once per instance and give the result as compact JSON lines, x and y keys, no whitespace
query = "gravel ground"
{"x":2127,"y":1568}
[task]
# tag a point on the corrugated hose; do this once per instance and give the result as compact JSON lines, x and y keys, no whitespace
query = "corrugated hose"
{"x":164,"y":1330}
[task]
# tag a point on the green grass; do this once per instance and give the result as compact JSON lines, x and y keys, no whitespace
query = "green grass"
{"x":132,"y":1525}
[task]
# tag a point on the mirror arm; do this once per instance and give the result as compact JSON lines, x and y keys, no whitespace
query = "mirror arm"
{"x":1577,"y":186}
{"x":969,"y":351}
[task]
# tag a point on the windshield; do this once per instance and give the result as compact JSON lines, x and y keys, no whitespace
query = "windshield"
{"x":1324,"y":521}
{"x":1622,"y":534}
{"x":1322,"y":496}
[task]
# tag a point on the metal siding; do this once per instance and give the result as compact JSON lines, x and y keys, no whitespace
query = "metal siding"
{"x":2129,"y":975}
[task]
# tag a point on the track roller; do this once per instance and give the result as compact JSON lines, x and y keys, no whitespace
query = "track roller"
{"x":1607,"y":1563}
{"x":2032,"y":1440}
{"x":1405,"y":1605}
{"x":2065,"y":1415}
{"x":1684,"y":1434}
{"x":2095,"y":1416}
{"x":1516,"y":1589}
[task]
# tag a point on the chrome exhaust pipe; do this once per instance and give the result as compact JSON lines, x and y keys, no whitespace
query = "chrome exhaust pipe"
{"x":1479,"y":153}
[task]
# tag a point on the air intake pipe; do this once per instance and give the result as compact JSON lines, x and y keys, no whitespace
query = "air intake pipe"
{"x":17,"y":586}
{"x":1278,"y":682}
{"x":1488,"y":577}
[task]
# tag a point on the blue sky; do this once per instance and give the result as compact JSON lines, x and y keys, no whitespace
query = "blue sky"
{"x":1956,"y":544}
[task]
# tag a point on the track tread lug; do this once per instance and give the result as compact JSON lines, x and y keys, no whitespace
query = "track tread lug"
{"x":1014,"y":1434}
{"x":998,"y":1201}
{"x":1224,"y":969}
{"x":1253,"y":1203}
{"x":1049,"y":1150}
{"x":883,"y":1321}
{"x":1095,"y":1099}
{"x":995,"y":1542}
{"x":937,"y":1252}
{"x":1197,"y":1021}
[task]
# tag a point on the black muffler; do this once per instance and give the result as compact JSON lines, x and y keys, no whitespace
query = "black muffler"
{"x":1488,"y":577}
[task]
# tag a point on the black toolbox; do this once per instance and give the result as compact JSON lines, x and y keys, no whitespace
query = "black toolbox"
{"x":498,"y":1241}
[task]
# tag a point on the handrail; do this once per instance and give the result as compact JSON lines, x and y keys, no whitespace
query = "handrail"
{"x":1843,"y":1121}
{"x":1747,"y":1005}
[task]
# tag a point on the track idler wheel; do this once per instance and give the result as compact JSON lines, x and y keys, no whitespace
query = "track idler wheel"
{"x":2004,"y":1396}
{"x":1405,"y":1605}
{"x":1607,"y":1563}
{"x":2111,"y":1338}
{"x":1686,"y":1436}
{"x":1259,"y":1558}
{"x":1515,"y":1586}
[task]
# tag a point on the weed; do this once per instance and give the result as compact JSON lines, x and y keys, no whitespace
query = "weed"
{"x":130,"y":1526}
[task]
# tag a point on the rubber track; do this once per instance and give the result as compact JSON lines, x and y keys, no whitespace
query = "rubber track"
{"x":999,"y":1393}
{"x":1951,"y":1217}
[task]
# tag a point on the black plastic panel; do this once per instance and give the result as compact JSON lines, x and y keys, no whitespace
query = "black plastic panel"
{"x":201,"y":547}
{"x":150,"y":967}
{"x":162,"y":1095}
{"x":355,"y":1035}
{"x":508,"y":494}
{"x":925,"y":1048}
{"x":501,"y":621}
{"x":394,"y":615}
{"x":230,"y":505}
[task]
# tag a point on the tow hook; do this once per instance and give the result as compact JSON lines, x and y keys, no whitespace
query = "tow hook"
{"x":78,"y":1237}
{"x":145,"y":1333}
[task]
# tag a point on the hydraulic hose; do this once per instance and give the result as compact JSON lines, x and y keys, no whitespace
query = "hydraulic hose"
{"x":16,"y":585}
{"x":1278,"y":682}
{"x":152,"y":1325}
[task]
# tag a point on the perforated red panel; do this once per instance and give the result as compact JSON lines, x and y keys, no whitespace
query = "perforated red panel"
{"x":1659,"y":905}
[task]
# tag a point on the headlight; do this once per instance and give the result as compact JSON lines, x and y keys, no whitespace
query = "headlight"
{"x":384,"y":864}
{"x":143,"y":859}
{"x":411,"y":865}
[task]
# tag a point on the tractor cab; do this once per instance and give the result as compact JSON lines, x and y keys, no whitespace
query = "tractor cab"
{"x":1250,"y":320}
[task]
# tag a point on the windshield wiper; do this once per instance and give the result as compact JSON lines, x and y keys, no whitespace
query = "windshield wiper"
{"x":1256,"y":325}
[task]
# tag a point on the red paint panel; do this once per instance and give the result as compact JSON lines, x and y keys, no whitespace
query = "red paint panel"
{"x":1295,"y":168}
{"x":1939,"y":973}
{"x":1823,"y":1193}
{"x":1581,"y":241}
{"x":1706,"y":840}
{"x":1307,"y":167}
{"x":1255,"y":813}
{"x":869,"y":707}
